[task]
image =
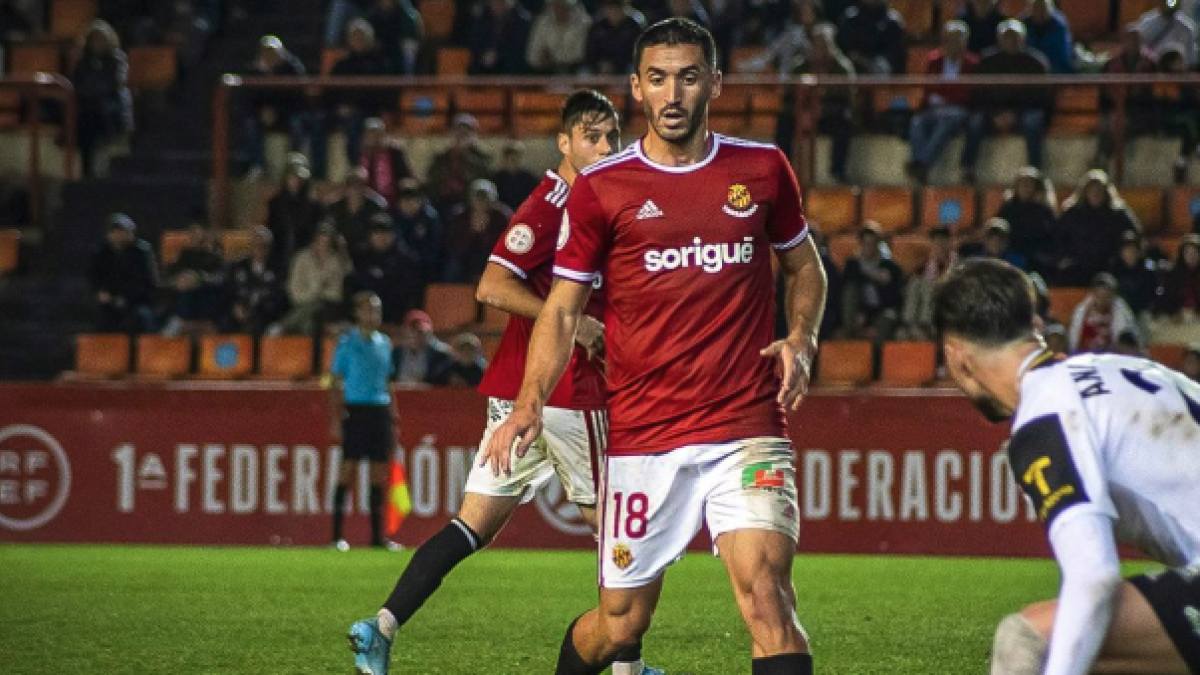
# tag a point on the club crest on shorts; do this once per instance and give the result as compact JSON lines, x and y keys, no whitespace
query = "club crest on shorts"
{"x":622,"y":557}
{"x":763,"y":476}
{"x":519,"y":239}
{"x":739,"y":203}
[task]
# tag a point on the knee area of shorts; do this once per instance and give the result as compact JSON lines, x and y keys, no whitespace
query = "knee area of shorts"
{"x":1018,"y":648}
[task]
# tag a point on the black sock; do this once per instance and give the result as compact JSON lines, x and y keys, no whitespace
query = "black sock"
{"x":783,"y":664}
{"x":629,"y":654}
{"x":429,"y":565}
{"x":339,"y":510}
{"x":376,"y":514}
{"x":569,"y":660}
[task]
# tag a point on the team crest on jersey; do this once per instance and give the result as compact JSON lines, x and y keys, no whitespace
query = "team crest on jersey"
{"x":519,"y":239}
{"x":622,"y":557}
{"x":739,"y":203}
{"x":564,"y":232}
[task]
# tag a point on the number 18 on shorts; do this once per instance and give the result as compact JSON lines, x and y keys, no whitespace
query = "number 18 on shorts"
{"x":655,"y":504}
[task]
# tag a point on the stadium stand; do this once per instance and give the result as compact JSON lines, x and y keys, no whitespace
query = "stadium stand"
{"x":910,"y":251}
{"x":1147,"y":203}
{"x":833,"y":209}
{"x":891,"y":207}
{"x":153,"y":68}
{"x":69,"y":18}
{"x":1185,"y":210}
{"x":536,"y":113}
{"x":328,"y":347}
{"x":225,"y":357}
{"x":451,"y":306}
{"x":845,"y":363}
{"x":908,"y":364}
{"x":10,"y":250}
{"x":285,"y":357}
{"x":1063,"y":302}
{"x":101,"y":356}
{"x":951,"y":206}
{"x":453,"y":61}
{"x":162,"y":358}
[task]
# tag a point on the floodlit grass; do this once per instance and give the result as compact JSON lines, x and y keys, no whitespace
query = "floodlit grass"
{"x":107,"y":609}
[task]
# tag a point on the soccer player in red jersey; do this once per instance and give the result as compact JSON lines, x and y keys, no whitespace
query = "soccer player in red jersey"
{"x":681,"y":225}
{"x":517,"y":280}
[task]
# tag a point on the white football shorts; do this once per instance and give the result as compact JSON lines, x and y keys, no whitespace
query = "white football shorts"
{"x":654,"y":505}
{"x":571,"y":441}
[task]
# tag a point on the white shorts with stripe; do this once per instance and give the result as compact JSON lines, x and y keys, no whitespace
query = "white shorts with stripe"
{"x":571,"y":443}
{"x":655,"y":504}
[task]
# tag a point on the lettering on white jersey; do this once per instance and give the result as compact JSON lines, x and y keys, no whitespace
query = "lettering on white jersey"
{"x":712,"y":258}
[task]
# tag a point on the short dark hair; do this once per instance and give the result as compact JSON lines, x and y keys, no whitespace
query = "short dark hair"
{"x":586,"y":106}
{"x":672,"y":32}
{"x":984,"y":301}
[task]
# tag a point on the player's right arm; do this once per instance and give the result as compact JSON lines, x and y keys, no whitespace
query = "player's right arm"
{"x":550,"y":349}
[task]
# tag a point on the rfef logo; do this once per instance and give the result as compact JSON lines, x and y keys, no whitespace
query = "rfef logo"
{"x":35,"y":477}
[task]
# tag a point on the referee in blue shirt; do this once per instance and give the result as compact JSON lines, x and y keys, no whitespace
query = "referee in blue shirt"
{"x":361,"y":411}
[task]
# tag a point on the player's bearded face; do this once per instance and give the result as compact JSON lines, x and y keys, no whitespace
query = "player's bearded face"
{"x":988,"y":405}
{"x":674,"y":85}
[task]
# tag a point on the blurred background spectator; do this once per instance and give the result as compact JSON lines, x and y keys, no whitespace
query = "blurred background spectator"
{"x":1137,"y":279}
{"x":610,"y":40}
{"x":792,"y":41}
{"x":1093,"y":224}
{"x":315,"y":284}
{"x":499,"y":38}
{"x":997,"y":243}
{"x":513,"y":181}
{"x":348,"y":109}
{"x":399,"y":31}
{"x":1050,"y":35}
{"x":1181,"y":294}
{"x":1030,"y":208}
{"x":1168,"y":26}
{"x":257,"y":297}
{"x":917,"y":317}
{"x":837,"y":103}
{"x":384,"y":159}
{"x":353,"y":211}
{"x":871,"y":35}
{"x":558,"y":38}
{"x":1100,"y":318}
{"x":1191,"y":362}
{"x":472,"y":231}
{"x":945,"y":111}
{"x":293,"y":215}
{"x":124,"y":279}
{"x":420,"y":228}
{"x":341,"y":13}
{"x":983,"y":18}
{"x":466,"y":365}
{"x":1178,"y":106}
{"x":1133,"y":58}
{"x":273,"y":110}
{"x":872,"y":289}
{"x":388,"y":268}
{"x":454,"y":169}
{"x":196,"y":281}
{"x":419,"y":355}
{"x":105,"y":103}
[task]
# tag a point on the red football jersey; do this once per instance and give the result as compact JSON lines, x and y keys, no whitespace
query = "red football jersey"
{"x":685,"y":256}
{"x":527,"y":250}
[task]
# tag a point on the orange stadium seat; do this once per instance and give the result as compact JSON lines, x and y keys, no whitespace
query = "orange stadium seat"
{"x":1063,"y":302}
{"x":285,"y":357}
{"x":833,"y":209}
{"x":952,"y":207}
{"x":910,"y":251}
{"x":330,"y":57}
{"x":453,"y":60}
{"x":908,"y":364}
{"x":423,"y":111}
{"x":70,"y":18}
{"x":845,"y":363}
{"x":1170,"y":356}
{"x":101,"y":355}
{"x":34,"y":57}
{"x":1089,"y":18}
{"x":536,"y":113}
{"x":171,"y":244}
{"x":10,"y":250}
{"x":885,"y":98}
{"x":160,"y":357}
{"x":438,"y":17}
{"x":1013,"y":8}
{"x":765,"y":106}
{"x":236,"y":244}
{"x":729,"y":113}
{"x":451,"y":306}
{"x":917,"y":60}
{"x":842,"y":247}
{"x":488,"y":105}
{"x":1169,"y":245}
{"x":328,"y":347}
{"x":918,"y":17}
{"x":1076,"y":110}
{"x":891,"y":207}
{"x":1185,"y":209}
{"x":153,"y":67}
{"x":226,"y":357}
{"x":1147,"y":203}
{"x":1132,"y":9}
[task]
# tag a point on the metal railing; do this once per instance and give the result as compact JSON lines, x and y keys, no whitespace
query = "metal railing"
{"x":33,"y":90}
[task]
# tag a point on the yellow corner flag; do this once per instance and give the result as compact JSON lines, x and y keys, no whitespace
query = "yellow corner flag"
{"x":399,"y":503}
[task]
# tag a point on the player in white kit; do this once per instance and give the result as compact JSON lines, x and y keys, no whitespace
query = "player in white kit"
{"x":1108,"y":449}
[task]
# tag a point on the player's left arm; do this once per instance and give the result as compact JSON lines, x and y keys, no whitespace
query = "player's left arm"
{"x":1086,"y":550}
{"x":805,"y":286}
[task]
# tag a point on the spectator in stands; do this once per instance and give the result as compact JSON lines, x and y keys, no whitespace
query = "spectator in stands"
{"x":1030,"y":208}
{"x":824,"y":58}
{"x":945,"y":110}
{"x":996,"y":244}
{"x":348,"y":109}
{"x":256,"y":292}
{"x":388,"y":268}
{"x":558,"y":38}
{"x":610,"y":41}
{"x":1168,"y":26}
{"x":1137,"y":280}
{"x":498,"y":38}
{"x":124,"y":278}
{"x":420,"y":228}
{"x":15,"y":24}
{"x":513,"y":181}
{"x":1002,"y":109}
{"x":353,"y":211}
{"x":872,"y":293}
{"x":466,"y":365}
{"x":1128,"y":344}
{"x":1100,"y":318}
{"x":399,"y":31}
{"x":1050,"y":35}
{"x":315,"y":284}
{"x":831,"y":320}
{"x":292,"y":215}
{"x":679,"y":9}
{"x":983,"y":17}
{"x":872,"y":37}
{"x":918,"y":294}
{"x":472,"y":231}
{"x":274,"y":109}
{"x":1132,"y":59}
{"x":792,"y":41}
{"x":1055,"y":335}
{"x":104,"y":103}
{"x":1181,"y":292}
{"x":1191,"y":362}
{"x":455,"y":168}
{"x":1177,"y":108}
{"x":419,"y":354}
{"x":197,"y":284}
{"x":1093,"y":225}
{"x":341,"y":13}
{"x":384,"y":159}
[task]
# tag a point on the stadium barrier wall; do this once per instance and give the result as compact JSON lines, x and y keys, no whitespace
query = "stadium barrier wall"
{"x":878,"y":472}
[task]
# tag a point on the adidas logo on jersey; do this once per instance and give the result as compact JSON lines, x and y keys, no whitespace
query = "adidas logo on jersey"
{"x":649,"y":210}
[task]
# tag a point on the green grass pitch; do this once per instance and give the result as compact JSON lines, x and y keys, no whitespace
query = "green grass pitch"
{"x":107,"y":609}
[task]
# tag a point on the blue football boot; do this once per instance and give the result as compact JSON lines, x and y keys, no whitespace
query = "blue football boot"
{"x":372,"y":650}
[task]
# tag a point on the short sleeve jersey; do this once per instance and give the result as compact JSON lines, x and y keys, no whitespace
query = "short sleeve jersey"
{"x":364,"y":363}
{"x":685,"y":253}
{"x":527,"y":250}
{"x":1118,"y":436}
